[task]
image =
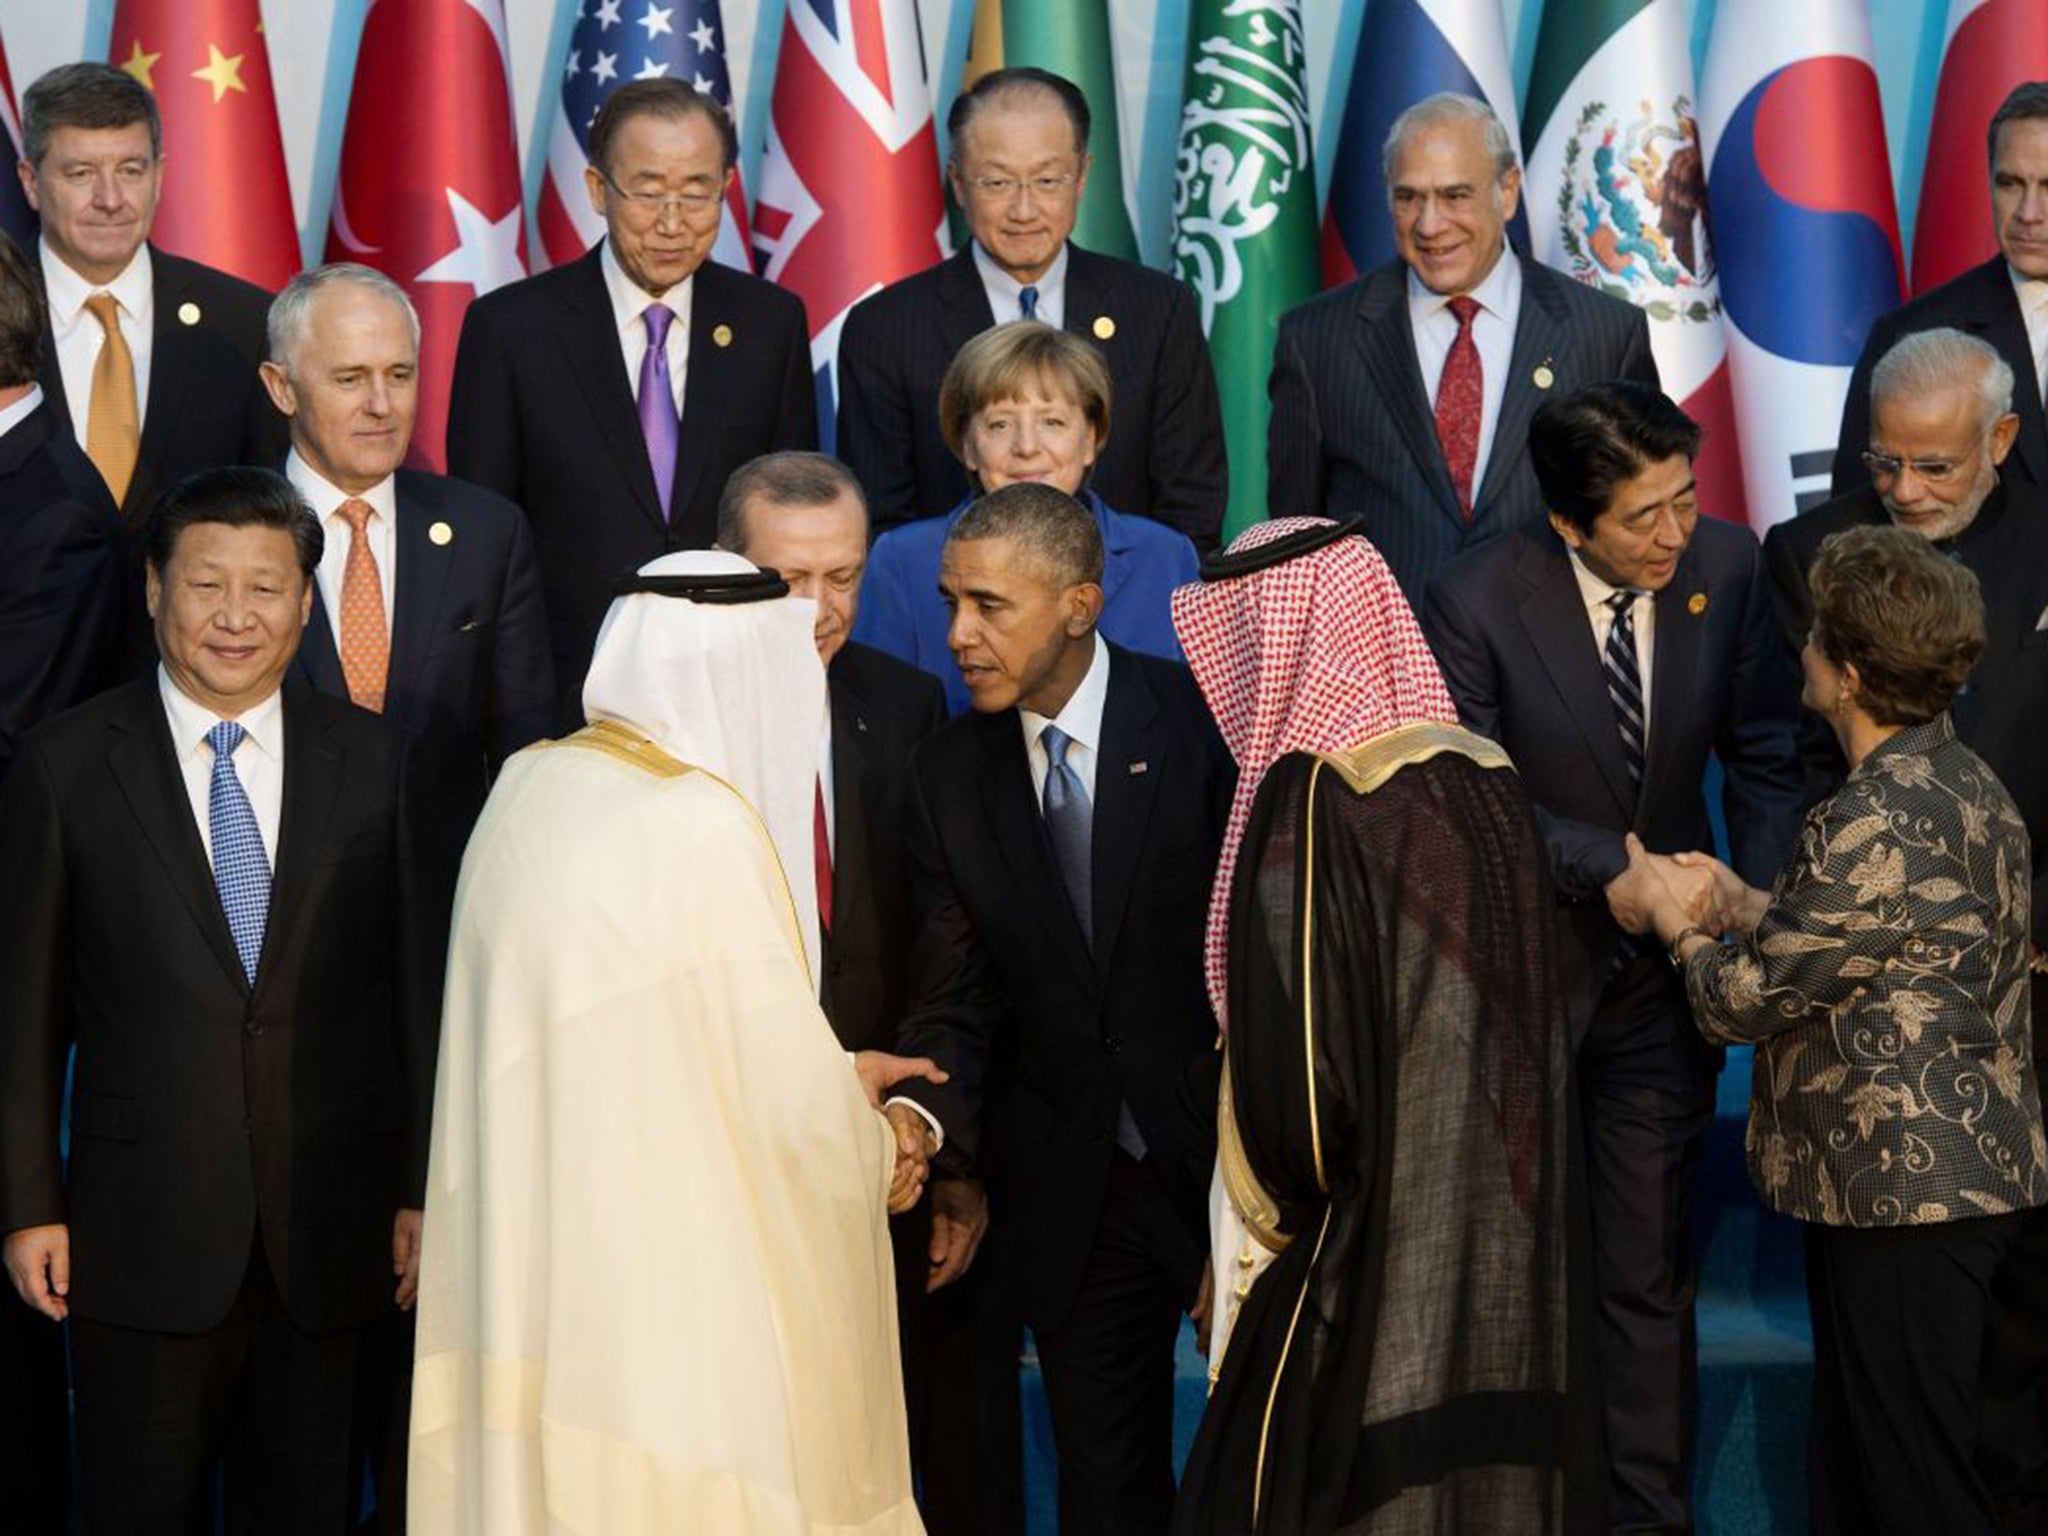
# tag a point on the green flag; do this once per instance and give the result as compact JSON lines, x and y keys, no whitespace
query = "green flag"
{"x":1071,"y":39}
{"x":1244,"y":211}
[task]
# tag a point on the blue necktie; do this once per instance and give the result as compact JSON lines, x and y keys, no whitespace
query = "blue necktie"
{"x":1624,"y":673}
{"x":1027,"y":302}
{"x":240,"y":867}
{"x":1070,"y":821}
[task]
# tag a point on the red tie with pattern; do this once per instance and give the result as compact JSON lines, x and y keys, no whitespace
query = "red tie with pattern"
{"x":1460,"y":400}
{"x":821,"y":854}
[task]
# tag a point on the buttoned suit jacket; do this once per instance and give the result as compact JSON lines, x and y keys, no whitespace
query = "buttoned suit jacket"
{"x":207,"y":1113}
{"x":1982,"y":303}
{"x":1043,"y":1029}
{"x":2002,"y":709}
{"x":1352,"y":431}
{"x":1165,"y":456}
{"x":541,"y":411}
{"x":60,"y":576}
{"x":471,"y":680}
{"x":207,"y":406}
{"x":1510,"y":630}
{"x":881,"y":709}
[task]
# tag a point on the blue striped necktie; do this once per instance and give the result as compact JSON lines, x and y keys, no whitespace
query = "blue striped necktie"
{"x":1624,"y":672}
{"x":240,"y":866}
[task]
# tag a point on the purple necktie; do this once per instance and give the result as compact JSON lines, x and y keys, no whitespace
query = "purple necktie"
{"x":658,"y":423}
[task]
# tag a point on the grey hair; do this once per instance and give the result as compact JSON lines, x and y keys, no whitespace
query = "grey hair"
{"x":1927,"y":362}
{"x":1441,"y":110}
{"x":1058,"y":533}
{"x":792,"y":477}
{"x":288,"y":311}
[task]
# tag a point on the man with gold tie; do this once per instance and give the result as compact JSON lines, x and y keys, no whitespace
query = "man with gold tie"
{"x":150,"y":357}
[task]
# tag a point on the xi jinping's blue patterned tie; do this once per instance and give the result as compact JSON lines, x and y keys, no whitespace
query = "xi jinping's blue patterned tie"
{"x":240,"y":867}
{"x":1624,"y":672}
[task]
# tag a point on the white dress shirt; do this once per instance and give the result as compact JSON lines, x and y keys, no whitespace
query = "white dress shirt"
{"x":379,"y":531}
{"x":1493,"y":333}
{"x":1594,"y":592}
{"x":259,"y":760}
{"x":629,"y":311}
{"x":79,"y":336}
{"x":1081,"y":719}
{"x":14,"y":415}
{"x":825,"y":786}
{"x":2032,"y":292}
{"x":1003,"y":289}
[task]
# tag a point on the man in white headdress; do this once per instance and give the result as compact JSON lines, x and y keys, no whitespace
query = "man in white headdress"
{"x":656,"y":1292}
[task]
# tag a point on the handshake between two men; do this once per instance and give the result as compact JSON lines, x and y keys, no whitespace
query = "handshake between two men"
{"x":959,"y":1205}
{"x":1662,"y":894}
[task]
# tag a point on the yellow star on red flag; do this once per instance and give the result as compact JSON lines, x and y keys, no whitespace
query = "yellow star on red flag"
{"x":222,"y":72}
{"x":139,"y":64}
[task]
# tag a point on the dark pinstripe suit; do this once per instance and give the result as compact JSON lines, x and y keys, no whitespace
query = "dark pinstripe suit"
{"x":1352,"y":430}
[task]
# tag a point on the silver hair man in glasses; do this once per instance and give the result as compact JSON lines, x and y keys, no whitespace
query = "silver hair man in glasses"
{"x":1940,"y":462}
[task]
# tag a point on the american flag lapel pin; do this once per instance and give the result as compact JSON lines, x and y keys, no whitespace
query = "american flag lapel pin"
{"x":1138,"y":767}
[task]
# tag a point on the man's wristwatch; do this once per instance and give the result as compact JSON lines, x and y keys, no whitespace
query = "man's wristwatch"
{"x":1678,"y":941}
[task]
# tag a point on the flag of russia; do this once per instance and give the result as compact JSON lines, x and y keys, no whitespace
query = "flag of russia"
{"x":1408,"y":49}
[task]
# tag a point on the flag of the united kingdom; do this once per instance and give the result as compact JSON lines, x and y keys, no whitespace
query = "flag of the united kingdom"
{"x":849,"y":198}
{"x":615,"y":41}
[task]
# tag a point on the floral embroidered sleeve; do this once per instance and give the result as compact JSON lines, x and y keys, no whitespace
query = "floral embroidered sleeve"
{"x":1898,"y":884}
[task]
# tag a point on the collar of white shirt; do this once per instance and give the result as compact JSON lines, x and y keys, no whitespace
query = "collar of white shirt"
{"x":1594,"y":591}
{"x":1081,"y":718}
{"x":14,"y":415}
{"x":191,"y":720}
{"x":325,"y":498}
{"x":67,"y":291}
{"x":1003,"y":289}
{"x":1499,"y":293}
{"x":630,"y":300}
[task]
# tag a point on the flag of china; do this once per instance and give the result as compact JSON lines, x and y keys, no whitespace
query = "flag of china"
{"x":226,"y":200}
{"x":429,"y":190}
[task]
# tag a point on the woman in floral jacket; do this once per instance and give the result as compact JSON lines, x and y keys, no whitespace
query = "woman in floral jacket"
{"x":1894,"y":1108}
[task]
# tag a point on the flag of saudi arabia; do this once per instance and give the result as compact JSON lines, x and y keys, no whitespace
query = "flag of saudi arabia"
{"x":1617,"y":196}
{"x":1244,"y":211}
{"x":1070,"y":38}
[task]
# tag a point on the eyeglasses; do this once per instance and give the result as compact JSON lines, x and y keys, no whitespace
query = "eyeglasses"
{"x":691,"y":204}
{"x":1000,"y":189}
{"x":1883,"y":466}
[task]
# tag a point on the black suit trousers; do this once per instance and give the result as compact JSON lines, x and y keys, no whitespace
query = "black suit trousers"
{"x":1898,"y":1337}
{"x":35,"y":1430}
{"x":158,"y":1413}
{"x":1108,"y":1366}
{"x":1646,"y":1092}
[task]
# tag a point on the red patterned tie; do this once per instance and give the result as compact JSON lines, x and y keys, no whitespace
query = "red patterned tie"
{"x":821,"y":854}
{"x":1460,"y":400}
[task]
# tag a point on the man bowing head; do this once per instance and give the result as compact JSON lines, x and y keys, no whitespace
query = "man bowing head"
{"x":658,"y":1293}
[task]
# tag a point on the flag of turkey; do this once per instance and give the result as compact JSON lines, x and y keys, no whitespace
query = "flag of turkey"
{"x":429,"y":190}
{"x":226,"y":200}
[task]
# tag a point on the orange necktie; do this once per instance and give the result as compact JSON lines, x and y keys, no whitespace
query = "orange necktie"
{"x":365,"y":641}
{"x":113,"y":426}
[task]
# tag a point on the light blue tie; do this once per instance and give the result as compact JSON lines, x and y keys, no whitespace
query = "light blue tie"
{"x":1027,"y":302}
{"x":240,"y":867}
{"x":1070,"y":821}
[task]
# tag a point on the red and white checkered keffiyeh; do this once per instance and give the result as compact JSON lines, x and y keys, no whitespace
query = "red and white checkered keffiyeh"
{"x":1315,"y":654}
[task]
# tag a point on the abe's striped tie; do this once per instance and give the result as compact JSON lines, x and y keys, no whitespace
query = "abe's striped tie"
{"x":1624,"y":673}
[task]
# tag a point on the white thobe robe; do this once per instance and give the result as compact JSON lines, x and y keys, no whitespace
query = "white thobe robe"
{"x":657,"y":1292}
